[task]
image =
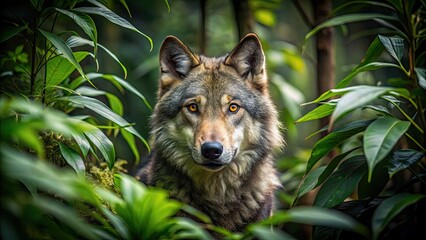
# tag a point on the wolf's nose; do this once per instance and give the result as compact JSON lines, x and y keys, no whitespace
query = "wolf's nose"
{"x":211,"y":150}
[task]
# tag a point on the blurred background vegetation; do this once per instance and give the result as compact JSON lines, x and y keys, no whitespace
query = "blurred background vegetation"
{"x":209,"y":27}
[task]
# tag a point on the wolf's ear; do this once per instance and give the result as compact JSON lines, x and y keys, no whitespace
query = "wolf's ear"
{"x":249,"y":60}
{"x":176,"y":60}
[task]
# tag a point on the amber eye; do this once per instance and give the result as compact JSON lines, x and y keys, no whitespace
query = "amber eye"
{"x":192,"y":107}
{"x":233,"y":108}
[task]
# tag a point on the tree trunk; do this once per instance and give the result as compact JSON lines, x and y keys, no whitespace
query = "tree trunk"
{"x":203,"y":37}
{"x":324,"y":49}
{"x":243,"y":17}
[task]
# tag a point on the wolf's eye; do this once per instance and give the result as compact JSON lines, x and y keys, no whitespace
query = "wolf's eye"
{"x":233,"y":108}
{"x":192,"y":107}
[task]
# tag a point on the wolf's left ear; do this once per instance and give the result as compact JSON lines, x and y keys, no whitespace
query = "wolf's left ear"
{"x":176,"y":60}
{"x":249,"y":60}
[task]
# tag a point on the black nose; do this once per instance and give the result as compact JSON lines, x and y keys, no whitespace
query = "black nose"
{"x":211,"y":150}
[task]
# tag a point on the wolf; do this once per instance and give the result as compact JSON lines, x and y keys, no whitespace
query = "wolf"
{"x":214,"y":133}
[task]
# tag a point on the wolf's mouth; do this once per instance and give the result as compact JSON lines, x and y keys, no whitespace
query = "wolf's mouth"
{"x":213,"y":166}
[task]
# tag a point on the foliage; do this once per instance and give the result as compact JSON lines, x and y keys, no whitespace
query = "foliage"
{"x":50,"y":77}
{"x":391,"y":138}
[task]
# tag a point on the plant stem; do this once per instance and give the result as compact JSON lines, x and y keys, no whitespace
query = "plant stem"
{"x":33,"y":55}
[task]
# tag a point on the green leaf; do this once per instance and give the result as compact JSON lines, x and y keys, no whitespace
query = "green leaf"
{"x":421,"y":76}
{"x":394,"y":46}
{"x":268,"y":233}
{"x":327,"y":143}
{"x":82,"y":142}
{"x":73,"y":159}
{"x":116,"y":80}
{"x":377,"y":184}
{"x":363,"y":67}
{"x":379,"y":139}
{"x":130,"y":139}
{"x":105,"y":146}
{"x":103,"y":11}
{"x":9,"y":33}
{"x":64,"y":49}
{"x":332,"y":165}
{"x":342,"y":182}
{"x":348,"y":18}
{"x":403,"y":159}
{"x":185,"y":228}
{"x":326,"y":217}
{"x":60,"y":68}
{"x":317,"y":113}
{"x":355,"y":99}
{"x":76,"y":41}
{"x":390,"y":208}
{"x":103,"y":110}
{"x":310,"y":181}
{"x":86,"y":23}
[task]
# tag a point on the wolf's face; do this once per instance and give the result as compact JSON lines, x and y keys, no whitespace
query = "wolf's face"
{"x":213,"y":113}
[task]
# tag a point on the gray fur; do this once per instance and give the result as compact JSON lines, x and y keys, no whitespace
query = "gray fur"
{"x":242,"y":190}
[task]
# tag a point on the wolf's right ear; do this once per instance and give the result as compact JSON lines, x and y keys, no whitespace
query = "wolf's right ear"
{"x":176,"y":60}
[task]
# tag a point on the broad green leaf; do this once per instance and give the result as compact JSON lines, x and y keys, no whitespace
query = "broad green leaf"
{"x":348,"y":18}
{"x":421,"y":77}
{"x":363,"y":67}
{"x":103,"y":110}
{"x":332,"y":165}
{"x":9,"y":33}
{"x":342,"y":182}
{"x":73,"y":159}
{"x":394,"y":46}
{"x":327,"y":143}
{"x":60,"y":68}
{"x":310,"y":181}
{"x":105,"y":146}
{"x":317,"y":113}
{"x":130,"y":139}
{"x":396,"y":102}
{"x":380,"y":109}
{"x":267,"y":233}
{"x":379,"y":139}
{"x":82,"y":142}
{"x":355,"y":99}
{"x":403,"y":159}
{"x":103,"y":11}
{"x":185,"y":228}
{"x":64,"y":49}
{"x":76,"y":41}
{"x":196,"y":213}
{"x":377,"y":184}
{"x":86,"y":23}
{"x":121,"y":82}
{"x":390,"y":208}
{"x":326,"y":217}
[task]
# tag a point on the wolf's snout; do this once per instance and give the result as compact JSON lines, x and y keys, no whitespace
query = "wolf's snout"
{"x":211,"y":150}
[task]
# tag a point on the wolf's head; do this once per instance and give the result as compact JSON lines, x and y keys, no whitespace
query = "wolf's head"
{"x":214,"y":113}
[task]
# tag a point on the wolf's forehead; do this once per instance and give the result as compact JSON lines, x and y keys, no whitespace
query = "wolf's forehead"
{"x":210,"y":63}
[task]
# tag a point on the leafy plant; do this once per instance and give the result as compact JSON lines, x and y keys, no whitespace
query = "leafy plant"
{"x":48,"y":75}
{"x":370,"y":151}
